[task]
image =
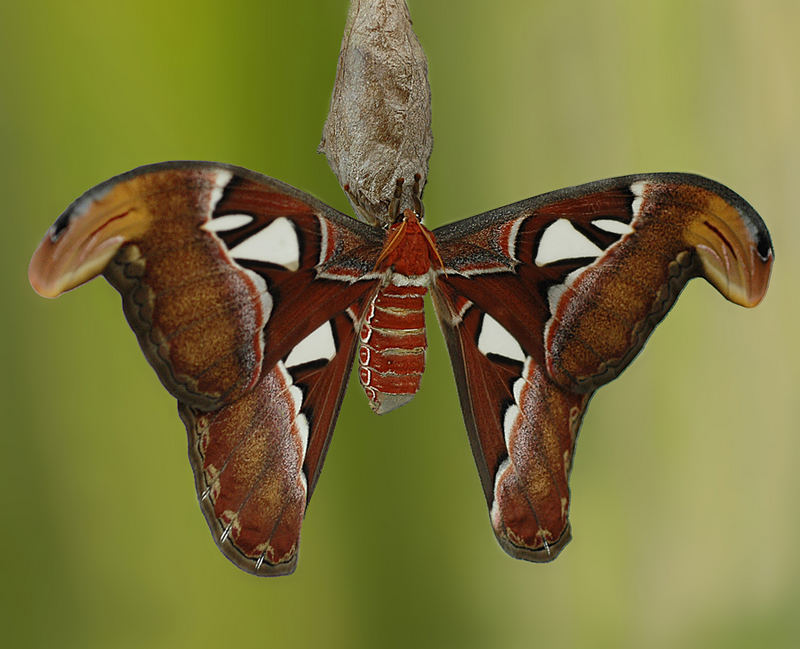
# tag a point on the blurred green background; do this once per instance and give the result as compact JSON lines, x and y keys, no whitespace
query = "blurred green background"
{"x":685,"y":487}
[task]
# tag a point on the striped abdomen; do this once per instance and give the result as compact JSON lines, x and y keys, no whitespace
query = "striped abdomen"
{"x":392,"y":353}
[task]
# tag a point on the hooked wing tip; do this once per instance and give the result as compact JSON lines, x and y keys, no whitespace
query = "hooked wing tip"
{"x":86,"y":237}
{"x":731,"y":241}
{"x":737,"y":261}
{"x":54,"y":269}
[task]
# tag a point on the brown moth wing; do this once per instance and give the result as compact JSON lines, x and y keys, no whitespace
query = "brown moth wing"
{"x":256,"y":460}
{"x":545,"y":300}
{"x":215,"y":265}
{"x":522,"y":428}
{"x":589,"y":271}
{"x":166,"y":236}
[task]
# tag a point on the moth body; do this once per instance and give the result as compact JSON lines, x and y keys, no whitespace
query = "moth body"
{"x":392,"y":340}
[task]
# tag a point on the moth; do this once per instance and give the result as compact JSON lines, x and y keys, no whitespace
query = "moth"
{"x":251,"y":300}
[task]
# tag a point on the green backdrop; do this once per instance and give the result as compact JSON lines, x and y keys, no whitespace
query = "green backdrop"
{"x":685,"y":486}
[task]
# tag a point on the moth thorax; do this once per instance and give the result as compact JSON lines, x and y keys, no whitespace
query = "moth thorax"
{"x":391,"y":355}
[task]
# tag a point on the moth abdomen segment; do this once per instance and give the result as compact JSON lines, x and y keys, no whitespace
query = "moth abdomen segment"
{"x":392,"y":346}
